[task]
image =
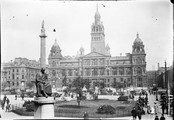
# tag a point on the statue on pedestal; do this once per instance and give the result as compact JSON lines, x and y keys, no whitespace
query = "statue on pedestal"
{"x":43,"y":87}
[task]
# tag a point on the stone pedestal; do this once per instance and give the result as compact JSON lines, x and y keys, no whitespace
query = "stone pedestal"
{"x":43,"y":107}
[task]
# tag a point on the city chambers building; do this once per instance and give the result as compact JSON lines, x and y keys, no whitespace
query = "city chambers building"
{"x":98,"y":66}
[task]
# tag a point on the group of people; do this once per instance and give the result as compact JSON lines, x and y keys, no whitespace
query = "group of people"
{"x":142,"y":103}
{"x":164,"y":104}
{"x":7,"y":101}
{"x":138,"y":110}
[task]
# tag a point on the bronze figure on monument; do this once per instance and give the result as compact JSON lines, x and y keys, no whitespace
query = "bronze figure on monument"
{"x":43,"y":87}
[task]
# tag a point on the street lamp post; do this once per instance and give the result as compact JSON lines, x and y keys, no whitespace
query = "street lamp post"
{"x":167,"y":89}
{"x":156,"y":94}
{"x":156,"y":88}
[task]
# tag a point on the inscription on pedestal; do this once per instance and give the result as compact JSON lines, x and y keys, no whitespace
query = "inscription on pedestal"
{"x":43,"y":107}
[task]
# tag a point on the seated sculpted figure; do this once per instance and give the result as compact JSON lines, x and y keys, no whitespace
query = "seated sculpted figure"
{"x":42,"y":85}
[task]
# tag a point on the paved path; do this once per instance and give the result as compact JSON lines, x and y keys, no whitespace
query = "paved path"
{"x":11,"y":115}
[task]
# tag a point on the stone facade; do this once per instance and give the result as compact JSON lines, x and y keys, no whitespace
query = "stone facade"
{"x":98,"y":65}
{"x":18,"y":72}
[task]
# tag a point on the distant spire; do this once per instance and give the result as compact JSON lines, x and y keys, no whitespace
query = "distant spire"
{"x":43,"y":24}
{"x":97,"y":7}
{"x":137,"y":35}
{"x":97,"y":15}
{"x":43,"y":30}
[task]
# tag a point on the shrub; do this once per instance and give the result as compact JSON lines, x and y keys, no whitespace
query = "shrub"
{"x":106,"y":109}
{"x":123,"y":98}
{"x":26,"y":103}
{"x":121,"y":107}
{"x":30,"y":107}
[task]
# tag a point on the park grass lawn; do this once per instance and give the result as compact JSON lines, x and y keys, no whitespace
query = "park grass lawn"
{"x":71,"y":109}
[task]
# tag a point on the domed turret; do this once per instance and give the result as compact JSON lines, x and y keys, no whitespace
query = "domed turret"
{"x":81,"y":51}
{"x":55,"y":47}
{"x":55,"y":51}
{"x":138,"y":40}
{"x":55,"y":55}
{"x":138,"y":46}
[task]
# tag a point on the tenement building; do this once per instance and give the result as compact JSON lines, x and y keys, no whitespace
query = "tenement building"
{"x":18,"y":73}
{"x":99,"y":65}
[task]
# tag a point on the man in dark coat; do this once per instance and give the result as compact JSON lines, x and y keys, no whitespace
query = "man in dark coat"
{"x":4,"y":99}
{"x":162,"y":117}
{"x":8,"y":101}
{"x":134,"y":113}
{"x":163,"y":107}
{"x":139,"y":113}
{"x":156,"y":118}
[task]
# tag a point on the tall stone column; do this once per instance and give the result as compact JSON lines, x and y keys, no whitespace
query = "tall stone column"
{"x":43,"y":47}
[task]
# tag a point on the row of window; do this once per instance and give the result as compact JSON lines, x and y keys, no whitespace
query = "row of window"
{"x":97,"y":29}
{"x":17,"y":70}
{"x":94,"y":62}
{"x":13,"y":84}
{"x":17,"y":76}
{"x":97,"y":38}
{"x":93,"y":72}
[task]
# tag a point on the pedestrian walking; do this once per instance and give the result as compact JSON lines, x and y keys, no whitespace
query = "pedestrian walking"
{"x":78,"y":101}
{"x":162,"y":117}
{"x":15,"y":96}
{"x":2,"y":104}
{"x":85,"y":116}
{"x":163,"y":107}
{"x":148,"y":109}
{"x":8,"y":101}
{"x":134,"y":113}
{"x":155,"y":108}
{"x":4,"y":99}
{"x":139,"y":113}
{"x":22,"y":96}
{"x":8,"y":107}
{"x":156,"y":118}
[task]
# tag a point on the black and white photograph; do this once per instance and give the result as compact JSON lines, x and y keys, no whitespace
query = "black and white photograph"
{"x":65,"y":59}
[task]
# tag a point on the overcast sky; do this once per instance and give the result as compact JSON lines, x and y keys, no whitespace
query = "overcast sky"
{"x":21,"y":27}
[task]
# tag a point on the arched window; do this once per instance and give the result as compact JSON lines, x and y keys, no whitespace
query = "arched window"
{"x":92,"y":72}
{"x":96,"y":29}
{"x":54,"y":64}
{"x":107,"y":72}
{"x":114,"y":71}
{"x":139,"y":71}
{"x":139,"y":61}
{"x":95,"y":72}
{"x":121,"y":71}
{"x":54,"y":73}
{"x":69,"y":72}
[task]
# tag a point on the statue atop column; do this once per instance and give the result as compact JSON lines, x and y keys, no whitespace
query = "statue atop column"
{"x":43,"y":87}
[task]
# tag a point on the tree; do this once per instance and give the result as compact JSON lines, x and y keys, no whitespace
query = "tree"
{"x":117,"y":85}
{"x":64,"y":81}
{"x":86,"y":83}
{"x":77,"y":84}
{"x":4,"y":85}
{"x":30,"y":85}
